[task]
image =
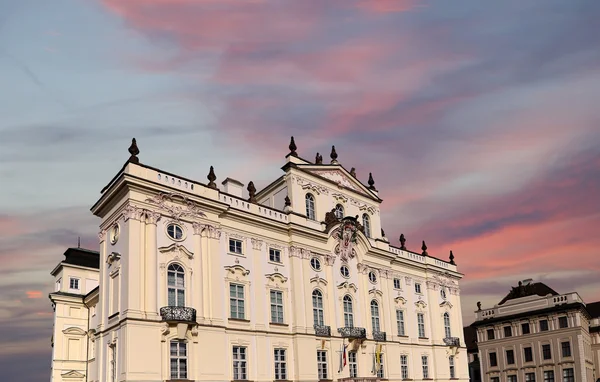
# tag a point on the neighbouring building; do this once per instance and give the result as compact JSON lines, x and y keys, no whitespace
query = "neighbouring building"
{"x":537,"y":334}
{"x":296,"y":282}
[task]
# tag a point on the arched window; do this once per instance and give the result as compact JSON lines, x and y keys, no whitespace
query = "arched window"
{"x":339,"y":211}
{"x":317,"y":301}
{"x":447,"y":325}
{"x":367,"y":225}
{"x":348,"y":314}
{"x":375,"y":316}
{"x":310,"y":206}
{"x":176,"y":285}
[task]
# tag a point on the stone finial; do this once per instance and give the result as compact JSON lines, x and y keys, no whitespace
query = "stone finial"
{"x":353,"y":172}
{"x":319,"y":159}
{"x":288,"y":202}
{"x":251,"y":192}
{"x":478,"y":306}
{"x":134,"y":151}
{"x":211,"y":178}
{"x":452,"y":258}
{"x":371,"y":183}
{"x":333,"y":155}
{"x":424,"y":248}
{"x":293,"y":147}
{"x":402,"y":242}
{"x":382,"y":233}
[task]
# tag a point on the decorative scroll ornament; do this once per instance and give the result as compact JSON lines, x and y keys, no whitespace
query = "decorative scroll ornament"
{"x":191,"y":209}
{"x":347,"y":237}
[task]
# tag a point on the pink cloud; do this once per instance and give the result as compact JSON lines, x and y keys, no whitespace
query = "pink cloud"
{"x":388,"y":6}
{"x":34,"y":294}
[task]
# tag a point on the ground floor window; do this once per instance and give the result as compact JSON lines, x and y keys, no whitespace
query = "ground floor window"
{"x":239,"y":363}
{"x":280,"y":364}
{"x":352,"y":362}
{"x":322,"y":364}
{"x":178,"y":360}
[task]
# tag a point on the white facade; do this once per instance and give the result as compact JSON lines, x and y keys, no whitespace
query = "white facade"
{"x":199,"y":284}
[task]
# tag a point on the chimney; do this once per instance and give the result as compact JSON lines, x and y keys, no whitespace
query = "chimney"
{"x":233,"y":187}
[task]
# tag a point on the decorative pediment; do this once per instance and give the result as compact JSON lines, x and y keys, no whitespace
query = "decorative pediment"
{"x":276,"y":278}
{"x":348,"y":287}
{"x":75,"y":331}
{"x":175,"y":250}
{"x":446,"y":303}
{"x":318,"y":280}
{"x":401,"y":301}
{"x":338,"y":177}
{"x":310,"y":186}
{"x":341,"y":198}
{"x":237,"y":270}
{"x":73,"y":374}
{"x":421,"y":304}
{"x":171,"y":204}
{"x":375,"y":292}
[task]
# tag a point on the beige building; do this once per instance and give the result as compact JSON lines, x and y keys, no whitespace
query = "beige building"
{"x":537,"y":334}
{"x":295,"y":282}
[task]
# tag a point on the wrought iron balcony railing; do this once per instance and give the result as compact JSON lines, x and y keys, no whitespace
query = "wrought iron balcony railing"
{"x":379,"y":336}
{"x":178,"y":314}
{"x":352,"y":332}
{"x":452,"y":341}
{"x":322,"y":331}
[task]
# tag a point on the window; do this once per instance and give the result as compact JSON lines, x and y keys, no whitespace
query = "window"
{"x":546,"y":351}
{"x":176,"y":285}
{"x":525,"y":328}
{"x":452,"y":369}
{"x":178,"y":360}
{"x":339,"y":211}
{"x":236,"y":301}
{"x":397,"y":284}
{"x":310,"y":207}
{"x":417,"y":288}
{"x":421,"y":324}
{"x":57,"y":287}
{"x":375,"y":316}
{"x":443,"y":293}
{"x":274,"y":254}
{"x":366,"y":225}
{"x":315,"y":264}
{"x":114,"y":234}
{"x":490,"y":334}
{"x":495,"y":379}
{"x":348,"y":314}
{"x":507,"y":331}
{"x":317,"y":301}
{"x":404,"y":366}
{"x":372,"y":277}
{"x":353,"y":364}
{"x":344,"y":271}
{"x":493,"y":359}
{"x":568,"y":375}
{"x":511,"y":378}
{"x":566,"y":349}
{"x":74,"y":283}
{"x":400,"y":322}
{"x":175,"y":231}
{"x":528,"y":353}
{"x":425,"y":367}
{"x":280,"y":366}
{"x":543,"y":325}
{"x":235,"y":246}
{"x":322,"y":364}
{"x":549,"y":376}
{"x":510,"y":357}
{"x":113,"y":362}
{"x":529,"y":377}
{"x":563,"y":322}
{"x":447,"y":330}
{"x":239,"y":363}
{"x":277,"y":306}
{"x":380,"y":373}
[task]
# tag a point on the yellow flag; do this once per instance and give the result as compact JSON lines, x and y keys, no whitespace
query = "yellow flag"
{"x":378,"y":356}
{"x":322,"y":344}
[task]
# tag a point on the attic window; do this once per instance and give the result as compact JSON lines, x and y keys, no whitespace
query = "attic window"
{"x":310,"y":206}
{"x":339,"y":211}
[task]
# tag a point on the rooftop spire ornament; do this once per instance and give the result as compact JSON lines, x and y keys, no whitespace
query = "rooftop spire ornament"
{"x":402,"y":242}
{"x":353,"y":172}
{"x":288,"y":202}
{"x":251,"y":192}
{"x":134,"y":151}
{"x":333,"y":155}
{"x":211,"y":178}
{"x":452,"y":258}
{"x":371,"y":183}
{"x":424,"y":249}
{"x":293,"y":148}
{"x":319,"y":159}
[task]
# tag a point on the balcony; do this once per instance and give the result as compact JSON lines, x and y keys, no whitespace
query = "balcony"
{"x":178,"y":314}
{"x":353,"y":332}
{"x":322,"y":331}
{"x":452,"y":341}
{"x":379,"y":336}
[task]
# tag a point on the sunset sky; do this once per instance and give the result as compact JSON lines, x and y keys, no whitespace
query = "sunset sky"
{"x":479,"y":120}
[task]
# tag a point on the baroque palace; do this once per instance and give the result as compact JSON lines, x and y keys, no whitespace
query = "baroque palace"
{"x":296,"y":282}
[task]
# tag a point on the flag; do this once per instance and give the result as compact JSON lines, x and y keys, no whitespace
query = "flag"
{"x":345,"y":346}
{"x":373,"y":367}
{"x":322,"y":344}
{"x":341,"y":359}
{"x":378,"y":357}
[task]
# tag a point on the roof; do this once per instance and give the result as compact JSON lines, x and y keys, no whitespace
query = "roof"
{"x":593,"y":309}
{"x":82,"y":257}
{"x":470,"y":334}
{"x":539,"y":312}
{"x":539,"y":289}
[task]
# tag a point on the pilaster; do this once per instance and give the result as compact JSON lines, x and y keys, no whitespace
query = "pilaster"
{"x":151,"y":267}
{"x":199,"y":276}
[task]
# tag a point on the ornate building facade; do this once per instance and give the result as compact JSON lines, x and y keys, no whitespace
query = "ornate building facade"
{"x":296,"y":282}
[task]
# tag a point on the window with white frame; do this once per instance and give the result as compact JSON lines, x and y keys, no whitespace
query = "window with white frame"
{"x":568,"y":375}
{"x":317,"y":302}
{"x":417,"y":288}
{"x":310,"y":206}
{"x":235,"y":246}
{"x":176,"y":285}
{"x":452,"y":367}
{"x":322,"y":364}
{"x":315,"y":264}
{"x":443,"y":293}
{"x":397,"y":284}
{"x":425,"y":364}
{"x":113,"y":362}
{"x":274,"y":255}
{"x":58,"y":282}
{"x":404,"y":366}
{"x":447,"y":330}
{"x":178,"y":358}
{"x":380,"y":372}
{"x":236,"y":301}
{"x":339,"y":211}
{"x":74,"y":283}
{"x":348,"y":313}
{"x":240,"y":370}
{"x":280,"y":364}
{"x":353,"y":364}
{"x":400,"y":322}
{"x":276,"y":306}
{"x":375,"y":316}
{"x":421,"y":324}
{"x":366,"y":225}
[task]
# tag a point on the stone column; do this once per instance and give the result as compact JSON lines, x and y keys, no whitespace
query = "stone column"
{"x":152,"y":281}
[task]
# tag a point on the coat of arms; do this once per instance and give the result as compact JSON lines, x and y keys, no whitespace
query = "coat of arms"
{"x":346,"y":236}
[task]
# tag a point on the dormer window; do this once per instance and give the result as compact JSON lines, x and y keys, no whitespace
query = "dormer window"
{"x":310,"y":206}
{"x":339,"y":211}
{"x":366,"y":225}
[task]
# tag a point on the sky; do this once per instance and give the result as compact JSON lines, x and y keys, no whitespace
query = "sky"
{"x":479,"y":121}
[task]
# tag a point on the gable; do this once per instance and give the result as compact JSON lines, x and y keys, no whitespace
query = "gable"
{"x":340,"y":177}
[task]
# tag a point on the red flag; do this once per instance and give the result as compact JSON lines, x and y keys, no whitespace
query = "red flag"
{"x":345,"y":346}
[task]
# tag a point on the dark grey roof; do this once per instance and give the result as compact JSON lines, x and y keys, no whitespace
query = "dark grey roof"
{"x":593,"y":309}
{"x":470,"y":334}
{"x":82,"y":257}
{"x":539,"y":289}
